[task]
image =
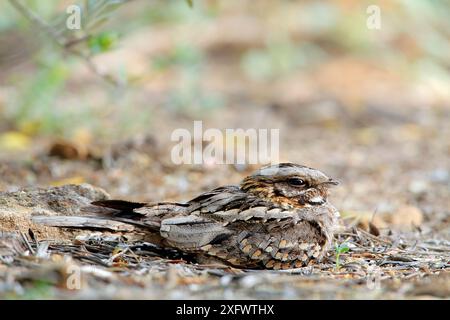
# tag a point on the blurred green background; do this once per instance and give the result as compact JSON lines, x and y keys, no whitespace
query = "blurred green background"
{"x":163,"y":54}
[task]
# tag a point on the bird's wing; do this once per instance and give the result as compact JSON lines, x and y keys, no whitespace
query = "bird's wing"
{"x":192,"y":232}
{"x":228,"y":204}
{"x":225,"y":198}
{"x":206,"y":217}
{"x":216,"y":199}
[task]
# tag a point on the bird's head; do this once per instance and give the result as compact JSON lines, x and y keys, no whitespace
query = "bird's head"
{"x":289,"y":185}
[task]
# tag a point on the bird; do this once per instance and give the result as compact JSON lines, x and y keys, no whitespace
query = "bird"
{"x":279,"y":217}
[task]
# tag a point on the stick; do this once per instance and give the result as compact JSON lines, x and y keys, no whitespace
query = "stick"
{"x":61,"y":41}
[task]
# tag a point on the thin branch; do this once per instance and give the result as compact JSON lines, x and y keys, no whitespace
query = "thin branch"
{"x":34,"y":18}
{"x":61,"y":41}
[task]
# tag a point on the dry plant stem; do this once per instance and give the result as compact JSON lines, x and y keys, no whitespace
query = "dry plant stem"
{"x":24,"y":238}
{"x":61,"y":41}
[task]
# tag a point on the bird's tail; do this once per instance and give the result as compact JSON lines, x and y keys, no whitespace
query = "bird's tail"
{"x":118,"y":208}
{"x":116,"y":215}
{"x":138,"y":210}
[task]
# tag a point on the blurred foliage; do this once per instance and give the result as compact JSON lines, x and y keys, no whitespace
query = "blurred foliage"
{"x":94,"y":14}
{"x":38,"y":289}
{"x":280,"y":57}
{"x":103,"y":42}
{"x":414,"y":39}
{"x":183,"y":55}
{"x":35,"y":110}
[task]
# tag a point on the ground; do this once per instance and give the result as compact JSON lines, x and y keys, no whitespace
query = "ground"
{"x":376,"y":121}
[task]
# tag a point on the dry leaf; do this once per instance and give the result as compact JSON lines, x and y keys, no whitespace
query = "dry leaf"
{"x":68,"y":150}
{"x":70,"y":180}
{"x":14,"y":140}
{"x":373,"y":229}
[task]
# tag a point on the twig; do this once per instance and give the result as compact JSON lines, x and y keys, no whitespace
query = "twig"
{"x":73,"y":42}
{"x":117,"y":255}
{"x":61,"y":41}
{"x":372,"y":237}
{"x":436,"y":249}
{"x":35,"y":19}
{"x":24,"y":238}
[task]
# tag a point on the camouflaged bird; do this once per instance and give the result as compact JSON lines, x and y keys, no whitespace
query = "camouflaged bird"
{"x":277,"y":218}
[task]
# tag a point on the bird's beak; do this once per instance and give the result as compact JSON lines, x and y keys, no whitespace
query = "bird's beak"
{"x":331,"y":182}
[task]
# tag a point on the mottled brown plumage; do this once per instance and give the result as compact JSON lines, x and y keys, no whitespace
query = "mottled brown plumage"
{"x":277,"y":218}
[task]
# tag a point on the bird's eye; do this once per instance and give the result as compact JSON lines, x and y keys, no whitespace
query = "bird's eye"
{"x":296,"y":182}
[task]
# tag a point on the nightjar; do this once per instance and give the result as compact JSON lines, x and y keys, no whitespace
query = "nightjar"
{"x":277,"y":218}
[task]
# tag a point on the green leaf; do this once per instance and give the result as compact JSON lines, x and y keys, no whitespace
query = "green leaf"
{"x":102,"y":42}
{"x":190,"y":3}
{"x":342,"y":248}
